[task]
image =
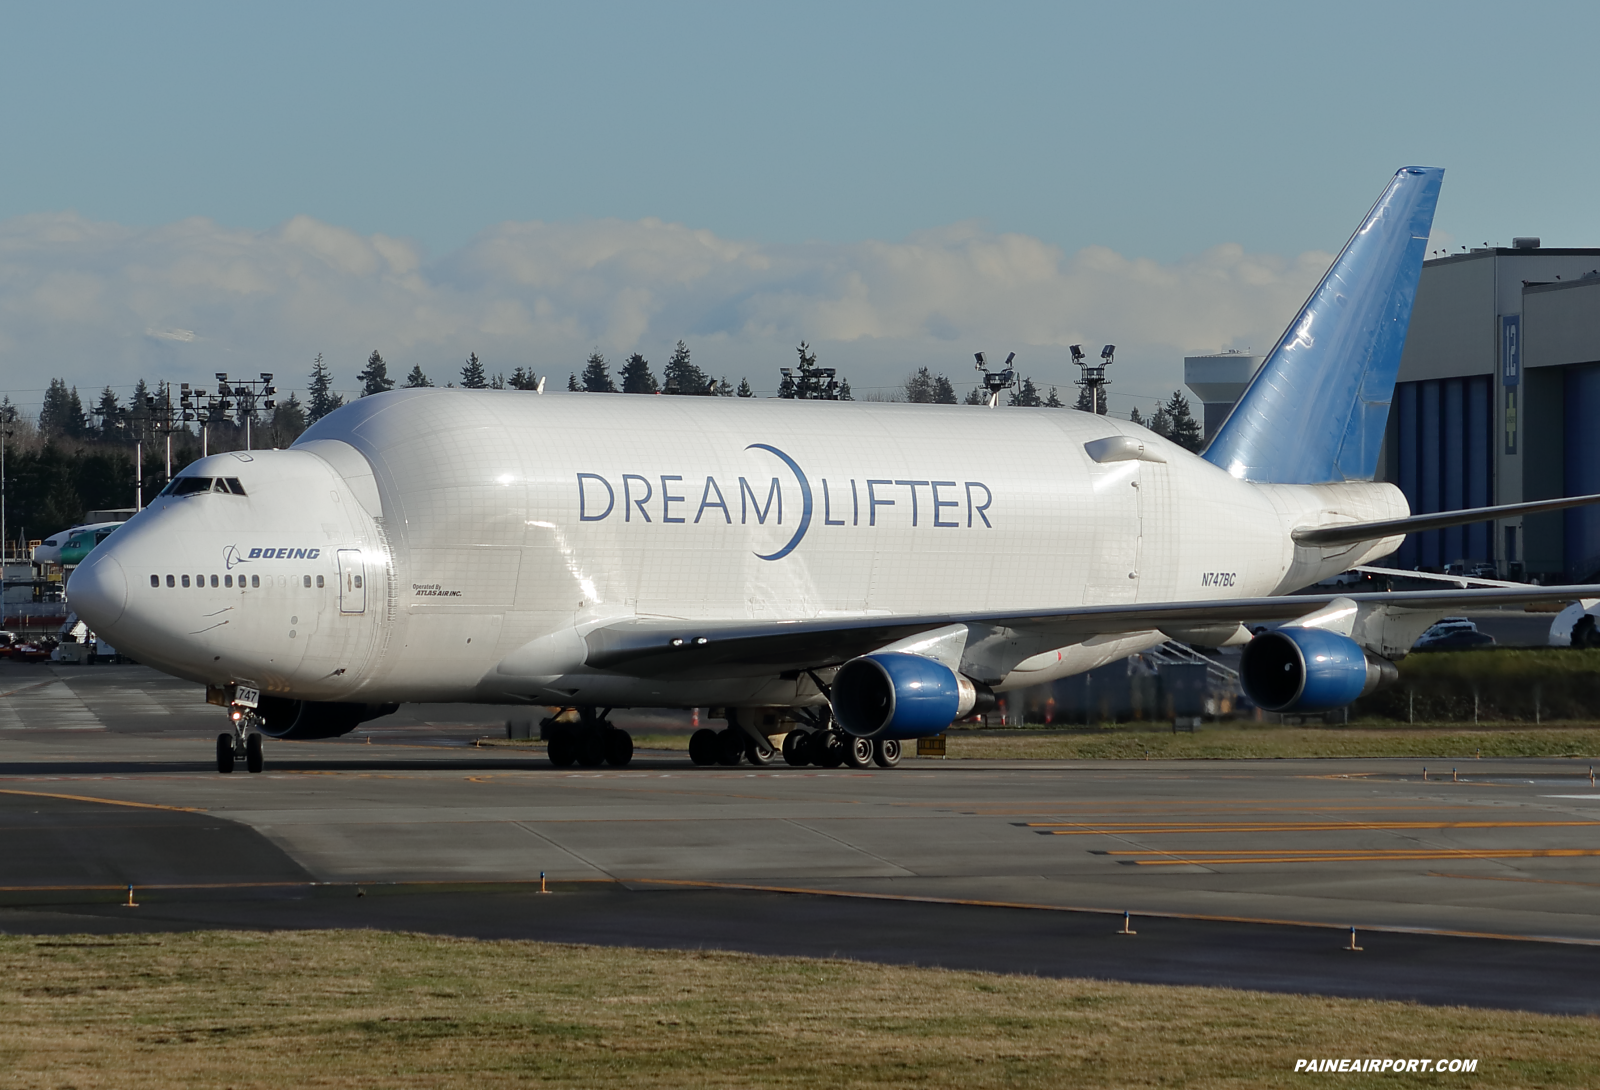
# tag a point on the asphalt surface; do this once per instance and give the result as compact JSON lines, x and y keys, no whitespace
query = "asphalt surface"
{"x":1477,"y":889}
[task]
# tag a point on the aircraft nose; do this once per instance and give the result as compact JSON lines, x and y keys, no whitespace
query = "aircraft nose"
{"x":98,"y":592}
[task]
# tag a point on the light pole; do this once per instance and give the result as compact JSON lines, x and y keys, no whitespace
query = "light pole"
{"x":245,"y":393}
{"x":5,"y":539}
{"x":996,"y":381}
{"x":1094,"y":379}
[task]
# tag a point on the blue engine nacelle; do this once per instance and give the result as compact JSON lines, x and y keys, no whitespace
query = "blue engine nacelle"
{"x":896,"y":695}
{"x":1309,"y":670}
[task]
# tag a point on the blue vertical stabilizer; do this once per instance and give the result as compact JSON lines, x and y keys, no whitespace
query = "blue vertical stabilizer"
{"x":1317,"y":408}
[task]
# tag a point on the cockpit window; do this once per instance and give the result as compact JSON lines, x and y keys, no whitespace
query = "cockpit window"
{"x":187,"y":486}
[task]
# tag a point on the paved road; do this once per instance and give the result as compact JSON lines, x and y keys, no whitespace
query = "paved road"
{"x":1237,"y":872}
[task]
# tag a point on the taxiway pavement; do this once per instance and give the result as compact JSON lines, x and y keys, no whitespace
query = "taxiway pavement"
{"x":1479,"y":884}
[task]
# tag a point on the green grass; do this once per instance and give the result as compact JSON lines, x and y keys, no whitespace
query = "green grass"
{"x":1222,"y":742}
{"x":370,"y":1009}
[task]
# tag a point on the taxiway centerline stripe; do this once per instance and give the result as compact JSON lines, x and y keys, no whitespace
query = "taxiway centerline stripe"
{"x":1507,"y":878}
{"x":1087,"y":829}
{"x":1203,"y":860}
{"x":106,"y":802}
{"x":904,"y":898}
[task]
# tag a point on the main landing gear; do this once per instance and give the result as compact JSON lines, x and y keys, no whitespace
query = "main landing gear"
{"x":583,"y":736}
{"x":818,"y":742}
{"x":240,"y":742}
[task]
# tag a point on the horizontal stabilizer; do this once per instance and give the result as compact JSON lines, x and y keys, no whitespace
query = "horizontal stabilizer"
{"x":1355,"y":532}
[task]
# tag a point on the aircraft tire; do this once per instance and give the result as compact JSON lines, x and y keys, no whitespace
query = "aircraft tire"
{"x":562,"y":749}
{"x":759,"y":754}
{"x":592,"y":749}
{"x":619,"y":748}
{"x":733,"y":744}
{"x":225,"y":752}
{"x":827,"y":748}
{"x":252,"y":753}
{"x":704,"y":746}
{"x":797,"y":748}
{"x":858,"y":752}
{"x":886,"y":752}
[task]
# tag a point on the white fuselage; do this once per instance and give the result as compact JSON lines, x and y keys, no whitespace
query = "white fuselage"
{"x":456,"y":545}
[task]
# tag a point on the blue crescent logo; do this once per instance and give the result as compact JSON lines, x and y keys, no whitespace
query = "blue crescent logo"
{"x":805,"y":495}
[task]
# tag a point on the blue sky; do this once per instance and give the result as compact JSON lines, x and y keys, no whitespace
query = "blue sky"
{"x":1157,"y":131}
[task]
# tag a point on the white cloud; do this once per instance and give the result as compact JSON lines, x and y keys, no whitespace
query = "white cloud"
{"x":96,"y":302}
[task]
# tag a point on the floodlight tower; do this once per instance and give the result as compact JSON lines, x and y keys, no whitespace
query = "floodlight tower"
{"x":1094,"y":377}
{"x":245,"y":392}
{"x":996,"y":381}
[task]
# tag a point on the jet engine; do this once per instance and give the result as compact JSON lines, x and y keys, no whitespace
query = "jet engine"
{"x":1310,"y":670}
{"x":301,"y":720}
{"x":897,"y":695}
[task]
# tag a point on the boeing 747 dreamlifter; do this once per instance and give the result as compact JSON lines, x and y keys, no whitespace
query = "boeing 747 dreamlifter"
{"x":866,"y":572}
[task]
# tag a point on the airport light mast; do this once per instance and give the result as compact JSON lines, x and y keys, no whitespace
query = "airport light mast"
{"x":245,"y":392}
{"x":1094,"y":379}
{"x":996,"y":381}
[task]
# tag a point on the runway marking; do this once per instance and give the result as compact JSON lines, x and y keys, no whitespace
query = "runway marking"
{"x":1392,"y":929}
{"x":1048,"y":828}
{"x":107,"y":802}
{"x":1337,"y":855}
{"x":1505,"y":878}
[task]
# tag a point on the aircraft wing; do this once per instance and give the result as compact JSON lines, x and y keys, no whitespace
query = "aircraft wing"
{"x":665,"y":647}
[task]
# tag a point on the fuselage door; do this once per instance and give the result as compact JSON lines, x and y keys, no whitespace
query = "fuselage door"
{"x":352,"y":579}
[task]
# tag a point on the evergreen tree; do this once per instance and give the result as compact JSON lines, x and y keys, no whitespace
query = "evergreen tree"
{"x":573,"y":385}
{"x":288,"y":421}
{"x":919,"y":387}
{"x":681,"y":376}
{"x":637,"y":378}
{"x":944,"y":392}
{"x":977,"y":396}
{"x":744,"y":388}
{"x":416,"y":380}
{"x":523,"y":378}
{"x":375,"y":379}
{"x":472,"y":376}
{"x":814,"y":383}
{"x":1084,"y":405}
{"x":1185,"y":429}
{"x":1136,"y":417}
{"x":724,"y":387}
{"x":597,"y":375}
{"x":62,"y":412}
{"x":1054,"y":400}
{"x":1026,"y":396}
{"x":498,"y":382}
{"x":1161,"y":422}
{"x":111,"y":414}
{"x":321,"y":400}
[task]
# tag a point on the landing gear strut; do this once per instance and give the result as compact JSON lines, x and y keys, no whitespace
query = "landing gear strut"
{"x":243,"y":741}
{"x":587,"y":739}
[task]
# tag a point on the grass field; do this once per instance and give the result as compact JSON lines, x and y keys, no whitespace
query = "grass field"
{"x":1221,"y":742}
{"x":1218,"y":742}
{"x":358,"y":1009}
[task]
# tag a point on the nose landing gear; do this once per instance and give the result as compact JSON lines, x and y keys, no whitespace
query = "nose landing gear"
{"x":241,"y":742}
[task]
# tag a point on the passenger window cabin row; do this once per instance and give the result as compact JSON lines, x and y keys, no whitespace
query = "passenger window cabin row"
{"x":227,"y":581}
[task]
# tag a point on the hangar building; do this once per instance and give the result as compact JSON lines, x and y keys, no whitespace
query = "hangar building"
{"x":1497,"y":401}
